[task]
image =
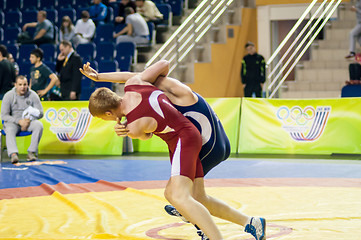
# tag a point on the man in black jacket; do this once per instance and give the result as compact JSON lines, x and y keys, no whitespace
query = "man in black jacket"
{"x":67,"y":65}
{"x":253,"y":72}
{"x":7,"y":72}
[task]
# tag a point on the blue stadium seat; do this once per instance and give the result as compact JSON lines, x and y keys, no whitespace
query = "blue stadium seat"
{"x":14,"y":50}
{"x":13,"y":18}
{"x":30,"y":4}
{"x":1,"y":35}
{"x":87,"y":51}
{"x":31,"y":31}
{"x":49,"y":51}
{"x":52,"y":15}
{"x":106,"y":66}
{"x":85,"y":93}
{"x":14,"y":5}
{"x":65,"y":4}
{"x":88,"y":85}
{"x":152,"y":33}
{"x":24,"y":68}
{"x":110,"y":15}
{"x":24,"y":52}
{"x":2,"y":18}
{"x":66,"y":12}
{"x":29,"y":16}
{"x":105,"y":51}
{"x":49,"y":4}
{"x":56,"y":34}
{"x":351,"y":91}
{"x":104,"y":33}
{"x":119,"y":27}
{"x":51,"y":65}
{"x":11,"y":35}
{"x":177,"y":6}
{"x":125,"y":49}
{"x":82,"y":3}
{"x":115,"y":6}
{"x":166,"y":10}
{"x":125,"y":62}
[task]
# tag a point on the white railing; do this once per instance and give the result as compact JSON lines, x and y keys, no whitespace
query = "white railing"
{"x":190,"y":32}
{"x":279,"y":70}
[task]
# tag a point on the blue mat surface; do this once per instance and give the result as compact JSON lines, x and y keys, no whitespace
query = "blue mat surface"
{"x":87,"y":171}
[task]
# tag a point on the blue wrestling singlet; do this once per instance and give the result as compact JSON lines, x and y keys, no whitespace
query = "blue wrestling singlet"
{"x":215,"y":144}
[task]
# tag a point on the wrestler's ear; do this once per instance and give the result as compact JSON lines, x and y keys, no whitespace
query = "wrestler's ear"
{"x":108,"y":113}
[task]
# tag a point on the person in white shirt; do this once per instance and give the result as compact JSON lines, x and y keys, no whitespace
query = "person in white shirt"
{"x":148,"y":10}
{"x":84,"y":29}
{"x":136,"y":30}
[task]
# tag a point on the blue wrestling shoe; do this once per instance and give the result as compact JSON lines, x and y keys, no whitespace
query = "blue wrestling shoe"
{"x":173,"y":212}
{"x":257,"y":227}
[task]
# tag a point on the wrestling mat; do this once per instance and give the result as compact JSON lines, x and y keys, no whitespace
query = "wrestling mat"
{"x":123,"y":198}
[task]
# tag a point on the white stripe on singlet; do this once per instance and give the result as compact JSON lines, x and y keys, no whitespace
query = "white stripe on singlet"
{"x":176,"y":160}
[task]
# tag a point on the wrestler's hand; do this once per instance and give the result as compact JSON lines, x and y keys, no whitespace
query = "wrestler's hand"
{"x":121,"y":128}
{"x":89,"y":72}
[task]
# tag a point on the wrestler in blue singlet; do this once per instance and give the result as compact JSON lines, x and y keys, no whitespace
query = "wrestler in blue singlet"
{"x":215,"y":143}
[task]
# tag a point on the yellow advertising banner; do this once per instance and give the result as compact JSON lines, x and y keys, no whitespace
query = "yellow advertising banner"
{"x":69,"y":128}
{"x":323,"y":126}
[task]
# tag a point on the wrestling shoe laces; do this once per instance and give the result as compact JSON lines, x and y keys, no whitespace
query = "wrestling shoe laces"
{"x":257,"y":227}
{"x":173,"y":212}
{"x":202,"y":235}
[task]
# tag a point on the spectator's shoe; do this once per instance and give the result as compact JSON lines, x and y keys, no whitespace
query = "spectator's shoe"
{"x":31,"y":156}
{"x":173,"y":212}
{"x":202,"y":235}
{"x":351,"y":55}
{"x":257,"y":227}
{"x":14,"y":158}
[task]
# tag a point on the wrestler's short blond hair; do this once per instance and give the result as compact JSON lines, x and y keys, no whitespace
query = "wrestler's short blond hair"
{"x":102,"y":100}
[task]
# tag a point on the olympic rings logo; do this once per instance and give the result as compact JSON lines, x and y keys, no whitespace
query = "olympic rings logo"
{"x":62,"y":116}
{"x":296,"y":114}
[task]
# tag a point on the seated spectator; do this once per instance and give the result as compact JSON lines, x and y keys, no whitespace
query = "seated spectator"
{"x":20,"y":110}
{"x":84,"y":29}
{"x":7,"y":72}
{"x":121,"y":14}
{"x":16,"y":66}
{"x":40,"y":73}
{"x":67,"y":65}
{"x":44,"y":32}
{"x":149,"y":11}
{"x":98,"y":12}
{"x":136,"y":29}
{"x":67,"y":30}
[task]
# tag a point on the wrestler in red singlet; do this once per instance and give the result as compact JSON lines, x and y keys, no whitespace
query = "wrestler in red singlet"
{"x":183,"y":138}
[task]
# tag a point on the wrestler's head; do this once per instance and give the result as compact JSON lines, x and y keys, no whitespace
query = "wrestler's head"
{"x":104,"y":104}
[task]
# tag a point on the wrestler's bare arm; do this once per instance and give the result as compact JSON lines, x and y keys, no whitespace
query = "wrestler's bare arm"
{"x":151,"y":74}
{"x":115,"y":77}
{"x":142,"y":128}
{"x":177,"y":92}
